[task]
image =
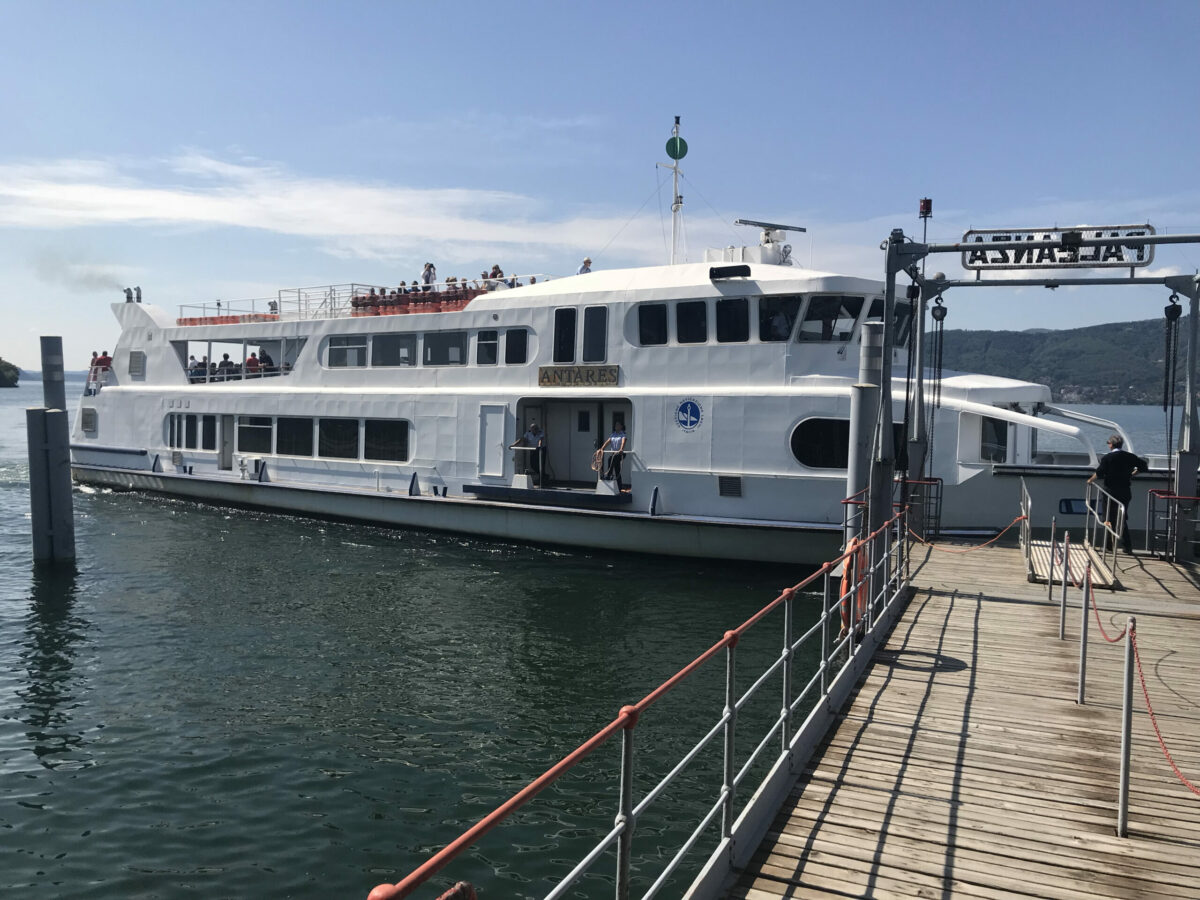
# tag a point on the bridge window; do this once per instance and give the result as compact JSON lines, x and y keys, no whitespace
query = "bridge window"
{"x":386,"y":439}
{"x":595,"y":334}
{"x":516,"y":347}
{"x":776,"y":316}
{"x":337,"y":438}
{"x":652,"y":324}
{"x":394,"y":350}
{"x":691,"y":322}
{"x":445,"y":348}
{"x":733,"y":320}
{"x":487,"y":348}
{"x":901,"y":319}
{"x":347,"y":351}
{"x":564,"y":335}
{"x":293,"y":436}
{"x":829,"y":318}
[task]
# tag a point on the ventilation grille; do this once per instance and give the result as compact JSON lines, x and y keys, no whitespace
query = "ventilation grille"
{"x":729,"y":485}
{"x":137,"y":363}
{"x":88,"y":420}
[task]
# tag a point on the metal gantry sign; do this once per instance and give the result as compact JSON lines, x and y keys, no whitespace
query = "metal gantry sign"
{"x":1038,"y":250}
{"x":1059,"y":248}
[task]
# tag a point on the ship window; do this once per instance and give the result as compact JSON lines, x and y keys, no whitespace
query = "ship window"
{"x":208,"y":432}
{"x":595,"y":334}
{"x":829,"y":318}
{"x":386,"y":439}
{"x":516,"y":346}
{"x":487,"y":348}
{"x":564,"y":335}
{"x":776,"y":316}
{"x":583,"y":421}
{"x":445,"y":348}
{"x":254,"y":434}
{"x":691,"y":322}
{"x":293,"y":436}
{"x":189,"y":431}
{"x":821,"y":443}
{"x":993,"y":440}
{"x":88,"y":420}
{"x":347,"y":351}
{"x":733,"y":320}
{"x":172,"y":437}
{"x":901,"y":319}
{"x":394,"y":350}
{"x":652,"y":324}
{"x":338,"y":438}
{"x":137,"y":363}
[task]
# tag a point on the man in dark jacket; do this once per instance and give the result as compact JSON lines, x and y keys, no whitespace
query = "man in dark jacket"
{"x":1115,"y":471}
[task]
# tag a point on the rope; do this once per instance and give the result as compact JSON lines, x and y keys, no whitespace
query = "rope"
{"x":1096,"y":610}
{"x":1154,"y":721}
{"x":993,"y":540}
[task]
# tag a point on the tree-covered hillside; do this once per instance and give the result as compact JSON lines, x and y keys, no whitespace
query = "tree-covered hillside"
{"x":9,"y":374}
{"x":1117,"y":363}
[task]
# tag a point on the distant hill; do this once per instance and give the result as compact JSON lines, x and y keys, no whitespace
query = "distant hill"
{"x":9,"y":374}
{"x":1117,"y":363}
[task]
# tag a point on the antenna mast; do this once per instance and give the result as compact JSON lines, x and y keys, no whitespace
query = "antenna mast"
{"x":677,"y":150}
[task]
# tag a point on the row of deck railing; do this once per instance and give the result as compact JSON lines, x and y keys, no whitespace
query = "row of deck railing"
{"x":339,"y":300}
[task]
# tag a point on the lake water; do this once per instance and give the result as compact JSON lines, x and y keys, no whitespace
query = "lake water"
{"x":232,"y":704}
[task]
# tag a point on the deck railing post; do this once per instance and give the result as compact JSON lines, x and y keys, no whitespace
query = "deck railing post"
{"x":785,"y":724}
{"x":625,"y":811}
{"x":1050,"y":577}
{"x":826,"y":606}
{"x":1083,"y":631}
{"x":1126,"y":729}
{"x":730,"y":724}
{"x":1066,"y":576}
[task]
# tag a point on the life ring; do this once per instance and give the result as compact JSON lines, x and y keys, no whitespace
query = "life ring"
{"x":854,"y":569}
{"x":597,"y":460}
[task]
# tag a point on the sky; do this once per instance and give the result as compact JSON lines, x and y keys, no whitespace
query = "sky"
{"x":205,"y":150}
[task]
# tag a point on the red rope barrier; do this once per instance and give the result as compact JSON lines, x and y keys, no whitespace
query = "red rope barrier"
{"x":1096,"y":610}
{"x":1154,"y":721}
{"x":967,"y":549}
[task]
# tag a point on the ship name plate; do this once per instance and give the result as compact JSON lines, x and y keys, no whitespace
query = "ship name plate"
{"x":578,"y":376}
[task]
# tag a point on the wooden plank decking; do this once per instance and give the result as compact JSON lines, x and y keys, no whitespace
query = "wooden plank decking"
{"x":963,"y":767}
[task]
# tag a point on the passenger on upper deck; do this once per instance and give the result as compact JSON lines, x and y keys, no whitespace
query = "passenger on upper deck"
{"x":225,"y":367}
{"x":267,"y":363}
{"x":495,"y":276}
{"x":252,"y":366}
{"x":428,"y":276}
{"x":585,"y":267}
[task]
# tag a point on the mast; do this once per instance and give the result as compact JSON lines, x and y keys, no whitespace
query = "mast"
{"x":677,"y":150}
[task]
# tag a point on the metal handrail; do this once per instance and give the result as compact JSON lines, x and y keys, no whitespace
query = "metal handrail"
{"x":1163,"y":521}
{"x":880,"y":583}
{"x":1102,"y":529}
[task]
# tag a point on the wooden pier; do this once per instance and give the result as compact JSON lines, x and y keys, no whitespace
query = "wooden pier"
{"x":963,"y":766}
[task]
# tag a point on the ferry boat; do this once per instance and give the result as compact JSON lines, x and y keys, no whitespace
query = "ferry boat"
{"x":731,"y":379}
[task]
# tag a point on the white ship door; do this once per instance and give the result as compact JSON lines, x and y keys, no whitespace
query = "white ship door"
{"x":491,"y":438}
{"x":225,"y":461}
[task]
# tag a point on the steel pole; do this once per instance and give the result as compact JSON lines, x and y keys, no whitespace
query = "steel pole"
{"x":1083,"y":633}
{"x":625,"y":813}
{"x":1066,"y":576}
{"x":864,"y":409}
{"x":1126,"y":730}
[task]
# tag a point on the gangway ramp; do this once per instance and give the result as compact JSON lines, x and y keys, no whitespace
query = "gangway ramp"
{"x":963,"y":767}
{"x":1078,"y":559}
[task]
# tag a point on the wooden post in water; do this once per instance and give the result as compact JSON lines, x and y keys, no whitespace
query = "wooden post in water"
{"x":48,"y":436}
